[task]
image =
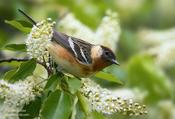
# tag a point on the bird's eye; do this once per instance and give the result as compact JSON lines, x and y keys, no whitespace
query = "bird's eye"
{"x":106,"y":53}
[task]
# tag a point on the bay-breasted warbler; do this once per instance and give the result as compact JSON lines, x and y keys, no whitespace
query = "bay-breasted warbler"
{"x":76,"y":56}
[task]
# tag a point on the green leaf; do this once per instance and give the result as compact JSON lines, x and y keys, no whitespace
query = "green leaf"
{"x":79,"y":112}
{"x":18,"y":25}
{"x":144,"y":74}
{"x":24,"y":70}
{"x":16,"y":47}
{"x":9,"y":74}
{"x":108,"y":77}
{"x":4,"y":37}
{"x":83,"y":104}
{"x":52,"y":83}
{"x":74,"y":84}
{"x":97,"y":115}
{"x":57,"y":106}
{"x":31,"y":110}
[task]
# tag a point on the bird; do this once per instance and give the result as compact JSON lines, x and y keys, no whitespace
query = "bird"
{"x":76,"y":56}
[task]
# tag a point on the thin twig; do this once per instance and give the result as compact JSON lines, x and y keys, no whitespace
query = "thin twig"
{"x":26,"y":59}
{"x":14,"y":59}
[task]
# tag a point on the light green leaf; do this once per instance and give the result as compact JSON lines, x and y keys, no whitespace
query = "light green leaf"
{"x":108,"y":77}
{"x":79,"y":112}
{"x":16,"y":47}
{"x":144,"y":74}
{"x":24,"y":70}
{"x":18,"y":25}
{"x":74,"y":84}
{"x":83,"y":104}
{"x":9,"y":74}
{"x":57,"y":106}
{"x":97,"y":115}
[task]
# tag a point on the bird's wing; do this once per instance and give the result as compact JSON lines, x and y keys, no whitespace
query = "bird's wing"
{"x":79,"y":48}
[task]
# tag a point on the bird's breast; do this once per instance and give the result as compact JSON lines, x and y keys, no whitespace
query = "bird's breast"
{"x":68,"y":62}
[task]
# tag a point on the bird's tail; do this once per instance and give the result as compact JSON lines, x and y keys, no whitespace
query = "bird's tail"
{"x":58,"y":37}
{"x":27,"y":16}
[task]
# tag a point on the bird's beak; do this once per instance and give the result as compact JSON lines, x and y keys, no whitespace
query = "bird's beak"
{"x":115,"y":62}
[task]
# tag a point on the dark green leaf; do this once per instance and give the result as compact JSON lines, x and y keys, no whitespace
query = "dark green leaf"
{"x":52,"y":83}
{"x":4,"y":38}
{"x":57,"y":106}
{"x":24,"y":70}
{"x":108,"y":77}
{"x":25,"y":23}
{"x":15,"y":47}
{"x":74,"y":84}
{"x":18,"y":25}
{"x":31,"y":110}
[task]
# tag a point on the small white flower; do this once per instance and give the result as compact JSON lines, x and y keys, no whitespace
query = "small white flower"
{"x":102,"y":100}
{"x":164,"y":54}
{"x":108,"y":31}
{"x":160,"y":44}
{"x":16,"y":95}
{"x":150,"y":38}
{"x":39,"y":38}
{"x":72,"y":26}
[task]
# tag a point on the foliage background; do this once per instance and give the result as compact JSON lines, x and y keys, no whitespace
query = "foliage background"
{"x":139,"y":70}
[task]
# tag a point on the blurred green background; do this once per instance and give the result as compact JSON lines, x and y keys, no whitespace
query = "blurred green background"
{"x":147,"y":66}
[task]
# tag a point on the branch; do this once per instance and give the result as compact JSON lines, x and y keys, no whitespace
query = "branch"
{"x":26,"y":59}
{"x":13,"y":59}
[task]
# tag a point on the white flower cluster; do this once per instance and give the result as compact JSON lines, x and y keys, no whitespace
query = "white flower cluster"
{"x":72,"y":26}
{"x":15,"y":96}
{"x":164,"y":54}
{"x":160,"y":44}
{"x":39,"y":38}
{"x":102,"y":100}
{"x":107,"y":32}
{"x":150,"y":38}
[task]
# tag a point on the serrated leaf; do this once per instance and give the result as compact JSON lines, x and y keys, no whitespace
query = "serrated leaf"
{"x":108,"y":77}
{"x":18,"y":26}
{"x":24,"y":70}
{"x":57,"y":106}
{"x":74,"y":84}
{"x":16,"y":47}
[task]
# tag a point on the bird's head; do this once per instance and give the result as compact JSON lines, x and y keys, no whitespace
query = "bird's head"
{"x":103,"y":57}
{"x":109,"y":56}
